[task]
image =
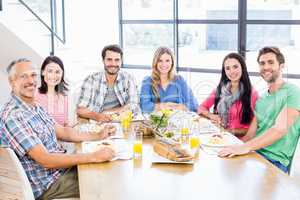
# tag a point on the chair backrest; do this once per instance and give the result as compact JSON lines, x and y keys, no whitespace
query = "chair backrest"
{"x":295,"y":164}
{"x":14,"y":183}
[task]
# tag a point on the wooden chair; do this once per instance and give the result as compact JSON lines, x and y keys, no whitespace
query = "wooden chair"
{"x":14,"y":183}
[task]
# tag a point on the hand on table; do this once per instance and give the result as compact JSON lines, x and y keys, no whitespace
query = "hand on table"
{"x":108,"y":130}
{"x":105,"y":153}
{"x":234,"y":150}
{"x":215,"y":119}
{"x":172,"y":106}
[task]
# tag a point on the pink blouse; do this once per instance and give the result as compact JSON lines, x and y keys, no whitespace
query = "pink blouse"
{"x":234,"y":116}
{"x":56,"y":106}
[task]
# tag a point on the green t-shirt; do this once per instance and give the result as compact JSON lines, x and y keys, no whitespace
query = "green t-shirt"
{"x":267,"y":109}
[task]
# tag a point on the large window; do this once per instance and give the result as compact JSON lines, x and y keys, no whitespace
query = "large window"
{"x":202,"y":32}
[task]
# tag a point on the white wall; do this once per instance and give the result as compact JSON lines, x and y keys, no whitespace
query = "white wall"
{"x":90,"y":25}
{"x":11,"y":48}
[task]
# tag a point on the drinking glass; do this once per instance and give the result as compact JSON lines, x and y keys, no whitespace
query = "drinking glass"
{"x":137,"y":145}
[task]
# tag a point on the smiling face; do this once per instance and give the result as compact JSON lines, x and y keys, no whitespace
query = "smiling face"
{"x":233,"y":69}
{"x":164,"y":64}
{"x":269,"y":67}
{"x":112,"y":62}
{"x":52,"y":74}
{"x":24,"y":81}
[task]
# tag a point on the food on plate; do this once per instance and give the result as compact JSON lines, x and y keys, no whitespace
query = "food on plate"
{"x":115,"y":117}
{"x":171,"y":150}
{"x":144,"y":128}
{"x":167,"y":112}
{"x":159,"y":119}
{"x":217,"y":139}
{"x":119,"y":116}
{"x":168,"y":134}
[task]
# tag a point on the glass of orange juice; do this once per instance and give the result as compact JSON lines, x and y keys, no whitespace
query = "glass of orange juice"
{"x":194,"y":141}
{"x":184,"y":135}
{"x":125,"y":123}
{"x":137,"y":145}
{"x":194,"y":144}
{"x":129,"y":115}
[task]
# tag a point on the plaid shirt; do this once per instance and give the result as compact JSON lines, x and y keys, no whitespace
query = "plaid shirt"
{"x":94,"y":90}
{"x":22,"y":127}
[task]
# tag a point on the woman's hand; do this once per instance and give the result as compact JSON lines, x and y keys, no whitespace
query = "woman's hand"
{"x":177,"y":106}
{"x":214,"y":118}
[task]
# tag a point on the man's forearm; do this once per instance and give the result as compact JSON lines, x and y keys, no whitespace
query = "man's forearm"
{"x":58,"y":160}
{"x":266,"y":139}
{"x":85,"y":113}
{"x":65,"y":160}
{"x":117,"y":109}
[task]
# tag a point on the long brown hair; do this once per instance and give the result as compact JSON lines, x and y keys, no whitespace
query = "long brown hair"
{"x":155,"y":73}
{"x":62,"y":87}
{"x":247,"y":112}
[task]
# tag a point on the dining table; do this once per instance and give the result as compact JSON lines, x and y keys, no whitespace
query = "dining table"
{"x":208,"y":177}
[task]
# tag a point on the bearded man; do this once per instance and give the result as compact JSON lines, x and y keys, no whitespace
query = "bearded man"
{"x":274,"y":130}
{"x":112,"y":90}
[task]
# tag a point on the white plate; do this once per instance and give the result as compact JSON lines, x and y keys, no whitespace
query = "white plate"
{"x":123,"y":150}
{"x":91,"y":146}
{"x":159,"y":159}
{"x":229,"y":139}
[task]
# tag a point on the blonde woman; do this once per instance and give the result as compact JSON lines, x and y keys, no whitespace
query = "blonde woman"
{"x":163,"y":89}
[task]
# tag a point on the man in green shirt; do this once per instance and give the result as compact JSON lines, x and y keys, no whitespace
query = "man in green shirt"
{"x":275,"y":129}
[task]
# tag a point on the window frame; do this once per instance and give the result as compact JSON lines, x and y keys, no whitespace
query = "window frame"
{"x":241,"y":22}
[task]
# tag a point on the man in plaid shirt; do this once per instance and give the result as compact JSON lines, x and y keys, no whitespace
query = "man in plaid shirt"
{"x":26,"y":128}
{"x":111,"y":90}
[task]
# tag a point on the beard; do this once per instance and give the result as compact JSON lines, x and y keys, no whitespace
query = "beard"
{"x":112,"y":70}
{"x":273,"y":78}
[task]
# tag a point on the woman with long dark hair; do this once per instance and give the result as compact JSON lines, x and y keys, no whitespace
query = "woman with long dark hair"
{"x":52,"y":94}
{"x":163,"y":89}
{"x":234,"y":98}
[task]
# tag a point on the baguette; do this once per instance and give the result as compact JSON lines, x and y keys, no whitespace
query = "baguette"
{"x":171,"y":150}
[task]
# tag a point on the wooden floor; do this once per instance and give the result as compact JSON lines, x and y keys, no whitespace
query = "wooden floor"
{"x":10,"y":186}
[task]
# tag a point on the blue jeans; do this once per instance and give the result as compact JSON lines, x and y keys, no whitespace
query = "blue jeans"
{"x":276,"y":163}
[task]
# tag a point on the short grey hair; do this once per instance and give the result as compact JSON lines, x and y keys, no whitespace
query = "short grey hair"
{"x":10,"y":67}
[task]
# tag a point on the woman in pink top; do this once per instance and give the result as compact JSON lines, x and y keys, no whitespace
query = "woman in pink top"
{"x":52,"y":94}
{"x":234,"y":99}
